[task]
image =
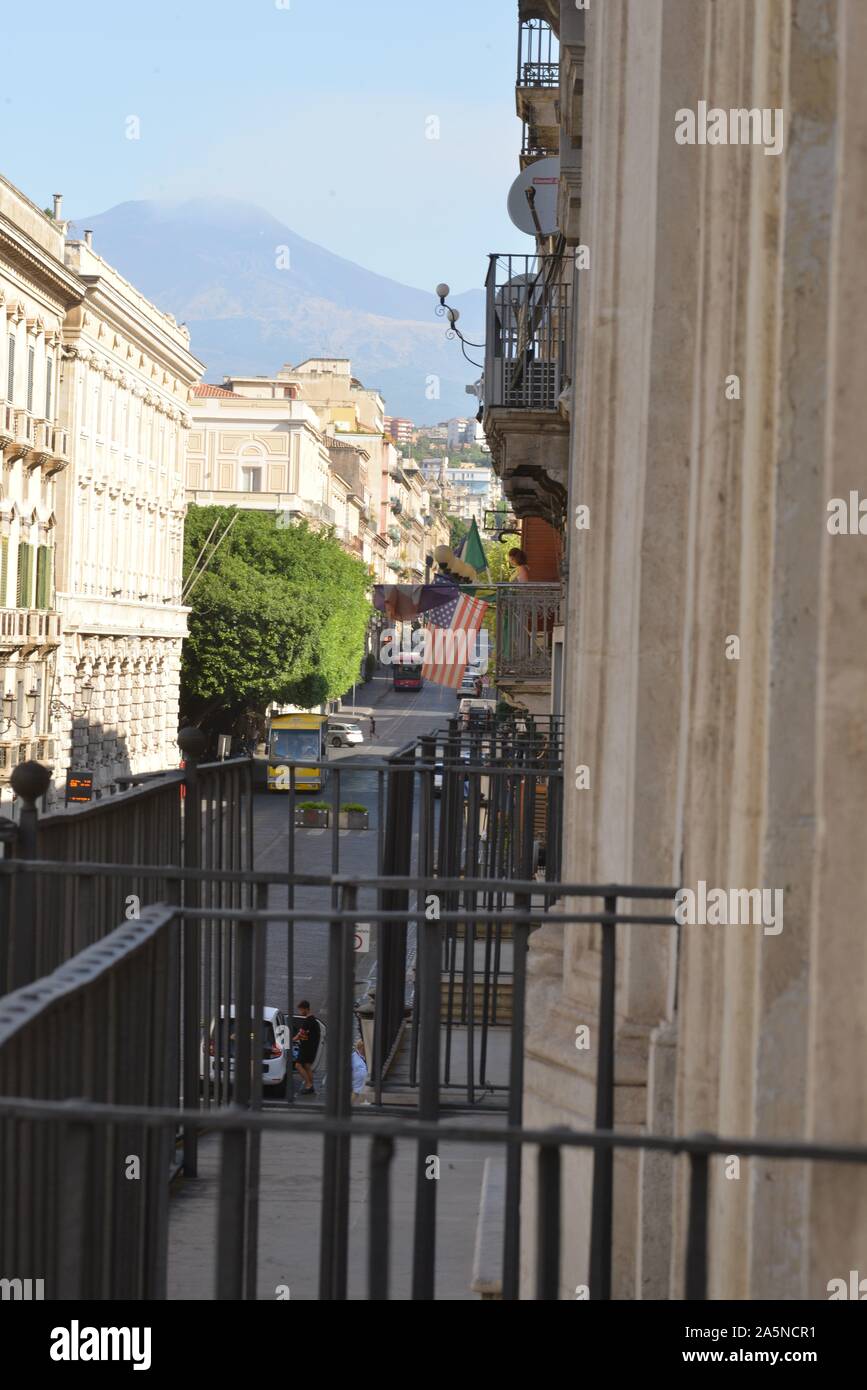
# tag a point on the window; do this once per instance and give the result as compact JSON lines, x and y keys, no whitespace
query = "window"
{"x":44,"y":575}
{"x":251,"y":478}
{"x":4,"y":568}
{"x":31,"y":371}
{"x":48,"y":371}
{"x":10,"y":371}
{"x":25,"y":575}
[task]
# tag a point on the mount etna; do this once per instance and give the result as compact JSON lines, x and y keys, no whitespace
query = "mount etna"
{"x":255,"y":295}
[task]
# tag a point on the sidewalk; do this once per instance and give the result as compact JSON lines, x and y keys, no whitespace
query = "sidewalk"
{"x":289,"y":1216}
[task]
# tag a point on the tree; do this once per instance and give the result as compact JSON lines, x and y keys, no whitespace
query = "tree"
{"x":458,"y":528}
{"x":280,"y":614}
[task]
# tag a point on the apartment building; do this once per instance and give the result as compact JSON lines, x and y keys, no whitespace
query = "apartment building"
{"x":673,"y":400}
{"x":36,"y":293}
{"x":124,"y":391}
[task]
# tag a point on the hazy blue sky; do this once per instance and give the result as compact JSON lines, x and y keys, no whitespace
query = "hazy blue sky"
{"x":317,"y":111}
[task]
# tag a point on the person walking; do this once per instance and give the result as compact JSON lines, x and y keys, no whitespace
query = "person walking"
{"x":372,"y":728}
{"x":359,"y":1073}
{"x":305,"y":1045}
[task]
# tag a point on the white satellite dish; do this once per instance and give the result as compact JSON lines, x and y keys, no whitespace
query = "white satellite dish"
{"x":543,"y":179}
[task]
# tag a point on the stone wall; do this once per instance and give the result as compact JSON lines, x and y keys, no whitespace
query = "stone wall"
{"x":708,"y":507}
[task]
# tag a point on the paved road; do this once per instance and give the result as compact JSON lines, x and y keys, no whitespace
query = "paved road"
{"x":400,"y":717}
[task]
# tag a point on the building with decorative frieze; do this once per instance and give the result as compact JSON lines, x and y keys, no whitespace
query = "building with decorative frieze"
{"x":126,"y":376}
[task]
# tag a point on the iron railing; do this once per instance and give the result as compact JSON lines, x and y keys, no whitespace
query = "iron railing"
{"x":538,"y":55}
{"x":199,"y":817}
{"x":528,"y":300}
{"x":526,"y":617}
{"x":68,"y":1130}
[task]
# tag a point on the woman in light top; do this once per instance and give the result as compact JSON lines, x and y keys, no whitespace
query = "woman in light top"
{"x":518,"y":560}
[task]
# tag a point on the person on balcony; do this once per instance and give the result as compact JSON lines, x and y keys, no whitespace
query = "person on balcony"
{"x":518,"y":561}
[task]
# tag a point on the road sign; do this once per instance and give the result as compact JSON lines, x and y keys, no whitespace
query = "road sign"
{"x":362,"y":938}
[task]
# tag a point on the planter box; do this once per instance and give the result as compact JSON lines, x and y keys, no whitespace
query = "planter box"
{"x":312,"y":820}
{"x":354,"y":820}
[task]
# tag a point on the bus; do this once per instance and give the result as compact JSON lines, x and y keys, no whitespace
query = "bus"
{"x":292,"y":738}
{"x":406,"y":671}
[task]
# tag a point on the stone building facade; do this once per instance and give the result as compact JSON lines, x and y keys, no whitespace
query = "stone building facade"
{"x":716,"y":409}
{"x":36,"y":293}
{"x":126,"y":379}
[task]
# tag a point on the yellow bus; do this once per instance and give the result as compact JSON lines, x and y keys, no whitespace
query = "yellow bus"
{"x":292,"y":738}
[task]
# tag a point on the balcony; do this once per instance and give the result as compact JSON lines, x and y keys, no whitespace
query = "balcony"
{"x":537,"y":88}
{"x":22,"y":434}
{"x":526,"y":617}
{"x":28,"y":627}
{"x":526,"y":376}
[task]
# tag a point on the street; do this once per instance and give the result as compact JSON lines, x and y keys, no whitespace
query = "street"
{"x":400,"y":716}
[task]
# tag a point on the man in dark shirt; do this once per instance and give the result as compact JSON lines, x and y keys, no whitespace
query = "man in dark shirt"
{"x":306,"y":1040}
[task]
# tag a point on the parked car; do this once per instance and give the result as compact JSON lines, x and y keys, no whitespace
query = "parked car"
{"x":342,"y":733}
{"x":438,"y":774}
{"x":468,"y":683}
{"x":276,"y":1045}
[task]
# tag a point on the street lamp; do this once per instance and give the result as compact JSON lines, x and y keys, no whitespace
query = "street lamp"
{"x":448,"y":311}
{"x":86,"y":700}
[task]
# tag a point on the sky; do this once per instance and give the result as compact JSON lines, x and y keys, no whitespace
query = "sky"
{"x":319,"y":111}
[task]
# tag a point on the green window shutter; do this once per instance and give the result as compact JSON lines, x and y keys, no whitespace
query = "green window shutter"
{"x":4,"y":569}
{"x":41,"y":575}
{"x":25,"y":578}
{"x":31,"y":369}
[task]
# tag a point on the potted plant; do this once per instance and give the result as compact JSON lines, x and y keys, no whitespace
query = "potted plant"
{"x":312,"y":814}
{"x":353,"y":816}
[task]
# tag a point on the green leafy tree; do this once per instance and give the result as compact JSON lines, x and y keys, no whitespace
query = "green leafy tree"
{"x":458,"y":528}
{"x":279,"y":614}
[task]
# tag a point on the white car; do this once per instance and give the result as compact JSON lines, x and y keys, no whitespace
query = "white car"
{"x":474,"y":709}
{"x":341,"y":733}
{"x":276,"y":1045}
{"x":438,"y":773}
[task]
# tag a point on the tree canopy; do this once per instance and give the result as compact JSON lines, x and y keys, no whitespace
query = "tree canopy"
{"x":280,"y":614}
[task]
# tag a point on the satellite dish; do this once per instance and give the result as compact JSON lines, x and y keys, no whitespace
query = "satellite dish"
{"x":543,"y":179}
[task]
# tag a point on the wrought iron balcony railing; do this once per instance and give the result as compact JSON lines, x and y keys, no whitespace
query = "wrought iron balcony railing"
{"x":538,"y":55}
{"x":528,"y":303}
{"x":526,"y":616}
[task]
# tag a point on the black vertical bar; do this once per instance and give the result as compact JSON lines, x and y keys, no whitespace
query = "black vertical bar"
{"x":697,"y":1230}
{"x":192,"y":897}
{"x":603,"y":1159}
{"x":424,"y":1247}
{"x":548,"y":1224}
{"x":381,"y":1155}
{"x":334,"y":1234}
{"x":290,"y":935}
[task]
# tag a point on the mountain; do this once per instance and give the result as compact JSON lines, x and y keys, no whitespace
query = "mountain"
{"x":254,"y":295}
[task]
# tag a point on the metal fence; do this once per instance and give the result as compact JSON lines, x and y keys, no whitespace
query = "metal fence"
{"x":70,"y":1130}
{"x":199,"y":817}
{"x":538,"y":55}
{"x":526,"y":349}
{"x":526,"y":617}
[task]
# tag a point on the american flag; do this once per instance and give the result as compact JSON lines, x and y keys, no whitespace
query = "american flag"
{"x":458,"y":614}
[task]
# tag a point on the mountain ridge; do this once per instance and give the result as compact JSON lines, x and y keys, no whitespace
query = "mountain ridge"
{"x":255,"y":294}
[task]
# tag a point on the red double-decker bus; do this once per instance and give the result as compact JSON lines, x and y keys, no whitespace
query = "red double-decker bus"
{"x":406,"y":671}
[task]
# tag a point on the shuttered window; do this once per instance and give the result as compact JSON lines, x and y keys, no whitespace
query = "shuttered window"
{"x":44,"y":559}
{"x":25,"y":575}
{"x":49,"y":367}
{"x":4,"y":569}
{"x":10,"y":369}
{"x":31,"y":372}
